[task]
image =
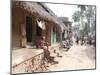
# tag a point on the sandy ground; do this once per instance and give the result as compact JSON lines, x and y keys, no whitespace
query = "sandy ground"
{"x":76,"y":58}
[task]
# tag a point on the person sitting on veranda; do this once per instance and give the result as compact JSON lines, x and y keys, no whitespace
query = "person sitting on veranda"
{"x":42,"y":44}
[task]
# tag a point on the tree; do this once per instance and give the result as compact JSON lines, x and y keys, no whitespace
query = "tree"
{"x":85,"y":16}
{"x":90,"y":15}
{"x":76,"y":16}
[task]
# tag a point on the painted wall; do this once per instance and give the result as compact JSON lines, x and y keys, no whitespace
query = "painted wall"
{"x":17,"y":21}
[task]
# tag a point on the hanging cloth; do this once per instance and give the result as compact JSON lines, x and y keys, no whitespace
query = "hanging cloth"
{"x":23,"y":31}
{"x":41,"y":24}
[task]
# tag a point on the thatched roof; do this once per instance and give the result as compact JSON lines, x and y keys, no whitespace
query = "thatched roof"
{"x":38,"y":8}
{"x":65,"y":19}
{"x":33,"y":7}
{"x":58,"y":21}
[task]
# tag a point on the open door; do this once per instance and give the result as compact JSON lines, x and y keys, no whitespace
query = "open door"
{"x":29,"y":30}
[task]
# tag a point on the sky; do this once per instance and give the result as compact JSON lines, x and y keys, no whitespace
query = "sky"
{"x":63,"y":10}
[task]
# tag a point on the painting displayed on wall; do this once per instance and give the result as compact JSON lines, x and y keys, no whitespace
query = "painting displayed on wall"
{"x":52,"y":37}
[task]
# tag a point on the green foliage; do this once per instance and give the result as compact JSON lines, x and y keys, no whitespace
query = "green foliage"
{"x":84,"y":12}
{"x":76,"y":16}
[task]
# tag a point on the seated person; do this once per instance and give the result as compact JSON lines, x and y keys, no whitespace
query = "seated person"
{"x":42,"y":44}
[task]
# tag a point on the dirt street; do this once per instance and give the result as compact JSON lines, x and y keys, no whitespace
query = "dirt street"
{"x":76,"y":58}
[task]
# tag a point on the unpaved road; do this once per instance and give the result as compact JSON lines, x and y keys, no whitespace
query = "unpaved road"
{"x":78,"y":57}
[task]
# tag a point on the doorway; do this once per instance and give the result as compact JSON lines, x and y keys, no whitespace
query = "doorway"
{"x":29,"y":29}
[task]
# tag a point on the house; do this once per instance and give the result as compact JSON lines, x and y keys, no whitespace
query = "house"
{"x":26,"y":24}
{"x":68,"y":31}
{"x":31,"y":20}
{"x":56,"y":36}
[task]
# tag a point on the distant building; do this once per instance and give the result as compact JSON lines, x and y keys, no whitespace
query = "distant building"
{"x":68,"y":31}
{"x":76,"y":30}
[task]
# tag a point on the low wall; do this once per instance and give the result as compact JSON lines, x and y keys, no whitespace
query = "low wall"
{"x":27,"y":61}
